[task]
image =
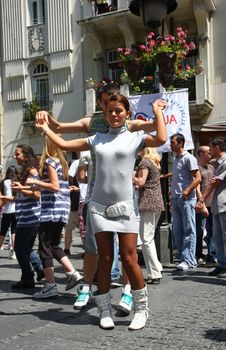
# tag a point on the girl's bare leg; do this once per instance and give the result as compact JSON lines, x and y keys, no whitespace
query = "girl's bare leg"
{"x":89,"y":267}
{"x":105,"y":247}
{"x":128,"y":253}
{"x":125,"y":278}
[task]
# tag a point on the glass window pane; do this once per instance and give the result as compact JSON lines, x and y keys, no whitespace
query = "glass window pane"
{"x":42,"y":92}
{"x":43,"y":11}
{"x":35,"y":12}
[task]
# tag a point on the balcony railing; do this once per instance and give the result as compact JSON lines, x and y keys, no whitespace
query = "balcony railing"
{"x":187,"y":84}
{"x":198,"y":96}
{"x":31,"y":108}
{"x":100,"y":7}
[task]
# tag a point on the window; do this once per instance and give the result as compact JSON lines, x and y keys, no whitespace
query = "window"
{"x":40,"y":86}
{"x":36,"y":11}
{"x":114,"y":68}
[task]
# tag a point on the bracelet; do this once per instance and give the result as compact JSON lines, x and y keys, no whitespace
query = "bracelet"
{"x":201,"y":200}
{"x":43,"y":132}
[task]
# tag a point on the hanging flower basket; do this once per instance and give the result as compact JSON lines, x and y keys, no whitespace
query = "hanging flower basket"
{"x":166,"y":64}
{"x":134,"y":70}
{"x":168,"y":52}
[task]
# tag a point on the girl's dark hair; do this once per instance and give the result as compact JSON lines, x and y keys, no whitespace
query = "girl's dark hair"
{"x":30,"y":162}
{"x":121,"y":99}
{"x":11,"y":173}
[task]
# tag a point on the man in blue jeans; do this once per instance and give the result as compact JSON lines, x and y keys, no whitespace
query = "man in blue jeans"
{"x":185,"y":178}
{"x":218,"y":207}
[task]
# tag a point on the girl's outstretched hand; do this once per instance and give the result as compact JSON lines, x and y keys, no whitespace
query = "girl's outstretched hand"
{"x":41,"y":117}
{"x":158,"y":104}
{"x":41,"y":124}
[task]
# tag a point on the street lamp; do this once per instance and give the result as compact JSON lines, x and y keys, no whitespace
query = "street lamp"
{"x":152,"y":11}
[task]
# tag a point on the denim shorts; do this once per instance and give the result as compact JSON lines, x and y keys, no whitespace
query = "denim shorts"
{"x":90,"y":245}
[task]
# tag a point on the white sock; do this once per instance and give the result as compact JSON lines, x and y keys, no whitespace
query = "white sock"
{"x":86,"y":288}
{"x":70,"y":273}
{"x":127,"y":289}
{"x":51,"y":284}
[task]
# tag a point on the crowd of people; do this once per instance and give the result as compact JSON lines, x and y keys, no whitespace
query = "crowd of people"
{"x":118,"y":203}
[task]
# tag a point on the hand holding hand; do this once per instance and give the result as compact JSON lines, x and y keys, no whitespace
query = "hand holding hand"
{"x":158,"y":105}
{"x":16,"y":186}
{"x":30,"y":181}
{"x":41,"y":117}
{"x":74,"y":188}
{"x":213,"y":180}
{"x":44,"y":118}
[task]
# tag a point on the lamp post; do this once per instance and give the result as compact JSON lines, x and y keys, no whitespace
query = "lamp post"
{"x":152,"y":12}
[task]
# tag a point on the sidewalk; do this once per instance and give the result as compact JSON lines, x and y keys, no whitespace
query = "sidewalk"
{"x":187,"y":311}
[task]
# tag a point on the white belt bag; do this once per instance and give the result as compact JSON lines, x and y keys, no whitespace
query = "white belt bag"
{"x":115,"y":210}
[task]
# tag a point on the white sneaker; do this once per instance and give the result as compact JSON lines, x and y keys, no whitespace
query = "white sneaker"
{"x":12,"y":256}
{"x":73,"y":280}
{"x":126,"y":303}
{"x":84,"y":296}
{"x":48,"y":291}
{"x":139,"y":320}
{"x":183,"y":266}
{"x":103,"y":302}
{"x":106,"y":322}
{"x":201,"y":261}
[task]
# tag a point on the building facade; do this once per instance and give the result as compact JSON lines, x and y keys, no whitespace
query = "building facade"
{"x":49,"y":48}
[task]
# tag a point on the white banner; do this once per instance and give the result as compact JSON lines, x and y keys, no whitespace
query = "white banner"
{"x":176,"y":114}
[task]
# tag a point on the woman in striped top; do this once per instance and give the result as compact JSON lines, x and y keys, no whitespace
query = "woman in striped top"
{"x":55,"y":208}
{"x":28,"y":209}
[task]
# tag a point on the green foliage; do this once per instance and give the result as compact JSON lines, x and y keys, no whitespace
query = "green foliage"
{"x":30,"y":109}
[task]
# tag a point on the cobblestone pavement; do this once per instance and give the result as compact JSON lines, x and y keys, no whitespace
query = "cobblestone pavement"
{"x":187,"y":311}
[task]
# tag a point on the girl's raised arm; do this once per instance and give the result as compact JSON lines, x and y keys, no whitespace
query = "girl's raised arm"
{"x":161,"y":137}
{"x":73,"y":145}
{"x":81,"y":125}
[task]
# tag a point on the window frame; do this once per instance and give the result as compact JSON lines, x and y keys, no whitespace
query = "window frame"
{"x":40,"y":84}
{"x":37,"y":6}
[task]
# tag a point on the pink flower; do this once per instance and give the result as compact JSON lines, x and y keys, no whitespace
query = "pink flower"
{"x":120,"y":50}
{"x":172,"y":38}
{"x":167,"y":38}
{"x":191,"y":46}
{"x":150,"y":35}
{"x":142,"y":47}
{"x":152,"y":43}
{"x":181,"y":34}
{"x":127,"y":52}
